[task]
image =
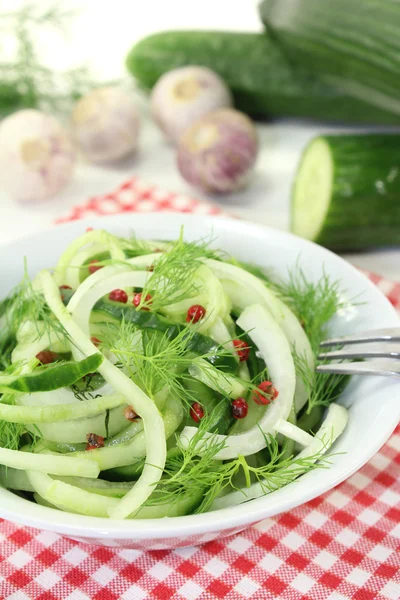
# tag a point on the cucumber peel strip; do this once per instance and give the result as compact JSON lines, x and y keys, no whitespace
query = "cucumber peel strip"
{"x":266,"y":334}
{"x":52,"y":377}
{"x":330,"y":430}
{"x":152,"y":421}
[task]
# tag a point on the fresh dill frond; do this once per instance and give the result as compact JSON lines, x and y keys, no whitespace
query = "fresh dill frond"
{"x":155,"y":359}
{"x":313,"y":303}
{"x":84,"y":389}
{"x":187,"y":473}
{"x":25,"y":303}
{"x":133,"y":246}
{"x":10,"y":434}
{"x":173,"y":273}
{"x":25,"y":81}
{"x":322,"y":388}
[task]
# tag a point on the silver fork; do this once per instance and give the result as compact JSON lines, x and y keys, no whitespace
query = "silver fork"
{"x":380,"y":346}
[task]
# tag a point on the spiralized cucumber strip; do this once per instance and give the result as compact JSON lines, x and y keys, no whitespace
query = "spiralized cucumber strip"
{"x":60,"y":412}
{"x":73,"y":270}
{"x":266,"y":334}
{"x":293,"y":432}
{"x":220,"y":333}
{"x":138,"y":265}
{"x":330,"y":430}
{"x":126,"y":453}
{"x":153,"y":424}
{"x":79,"y":499}
{"x":216,"y":301}
{"x":115,"y":489}
{"x":75,"y":431}
{"x":49,"y":463}
{"x":245,"y":289}
{"x":33,"y":337}
{"x":216,"y":380}
{"x":70,"y":497}
{"x":82,"y":310}
{"x":15,"y":479}
{"x":59,"y":396}
{"x":108,"y":242}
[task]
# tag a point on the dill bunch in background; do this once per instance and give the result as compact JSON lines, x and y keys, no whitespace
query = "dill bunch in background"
{"x":24,"y":81}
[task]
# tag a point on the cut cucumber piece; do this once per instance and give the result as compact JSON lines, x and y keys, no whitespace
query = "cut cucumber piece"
{"x":346,"y":194}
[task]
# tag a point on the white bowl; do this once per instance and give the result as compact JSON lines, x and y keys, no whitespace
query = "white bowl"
{"x":374,"y":403}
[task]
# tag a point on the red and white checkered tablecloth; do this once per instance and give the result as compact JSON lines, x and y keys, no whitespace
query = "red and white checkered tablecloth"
{"x":343,"y":545}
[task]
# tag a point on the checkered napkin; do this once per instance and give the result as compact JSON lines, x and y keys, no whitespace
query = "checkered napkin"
{"x":343,"y":545}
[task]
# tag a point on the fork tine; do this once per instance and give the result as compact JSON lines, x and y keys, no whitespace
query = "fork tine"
{"x":382,"y":350}
{"x":373,"y":367}
{"x":378,"y":335}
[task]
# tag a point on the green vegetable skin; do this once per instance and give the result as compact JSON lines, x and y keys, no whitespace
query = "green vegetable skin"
{"x":263,"y":82}
{"x":50,"y":378}
{"x":351,"y":44}
{"x":199,"y":344}
{"x":346,"y":194}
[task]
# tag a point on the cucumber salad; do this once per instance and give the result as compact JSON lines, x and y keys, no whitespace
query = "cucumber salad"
{"x":148,"y":379}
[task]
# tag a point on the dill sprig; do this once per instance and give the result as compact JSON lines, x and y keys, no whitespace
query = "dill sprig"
{"x":25,"y":303}
{"x":313,"y":303}
{"x":188,"y":472}
{"x":25,"y":82}
{"x":10,"y":434}
{"x":173,"y":273}
{"x":154,"y":359}
{"x":322,"y":388}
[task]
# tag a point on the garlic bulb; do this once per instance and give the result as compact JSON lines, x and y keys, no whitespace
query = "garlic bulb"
{"x":36,"y":156}
{"x":106,"y":124}
{"x":183,"y":95}
{"x":218,"y":152}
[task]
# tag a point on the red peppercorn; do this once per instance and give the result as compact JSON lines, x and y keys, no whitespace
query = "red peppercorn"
{"x":242,"y":349}
{"x":94,"y":441}
{"x":64,"y":287}
{"x":130,"y":414}
{"x":196,"y":412}
{"x":46,"y":357}
{"x":119,"y":296}
{"x":94,"y":266}
{"x":269,"y":393}
{"x":88,"y":229}
{"x":95,"y":341}
{"x":240,"y":408}
{"x":195,"y":313}
{"x":137,"y":299}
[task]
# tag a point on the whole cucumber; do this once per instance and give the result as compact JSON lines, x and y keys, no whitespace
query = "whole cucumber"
{"x":351,"y":44}
{"x":346,"y":194}
{"x":261,"y":79}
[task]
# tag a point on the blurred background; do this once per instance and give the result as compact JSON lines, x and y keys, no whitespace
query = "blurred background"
{"x":84,"y":44}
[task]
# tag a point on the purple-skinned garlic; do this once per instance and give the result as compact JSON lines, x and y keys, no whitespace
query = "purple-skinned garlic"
{"x":36,"y":156}
{"x":217,"y":153}
{"x":183,"y":95}
{"x":106,"y":124}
